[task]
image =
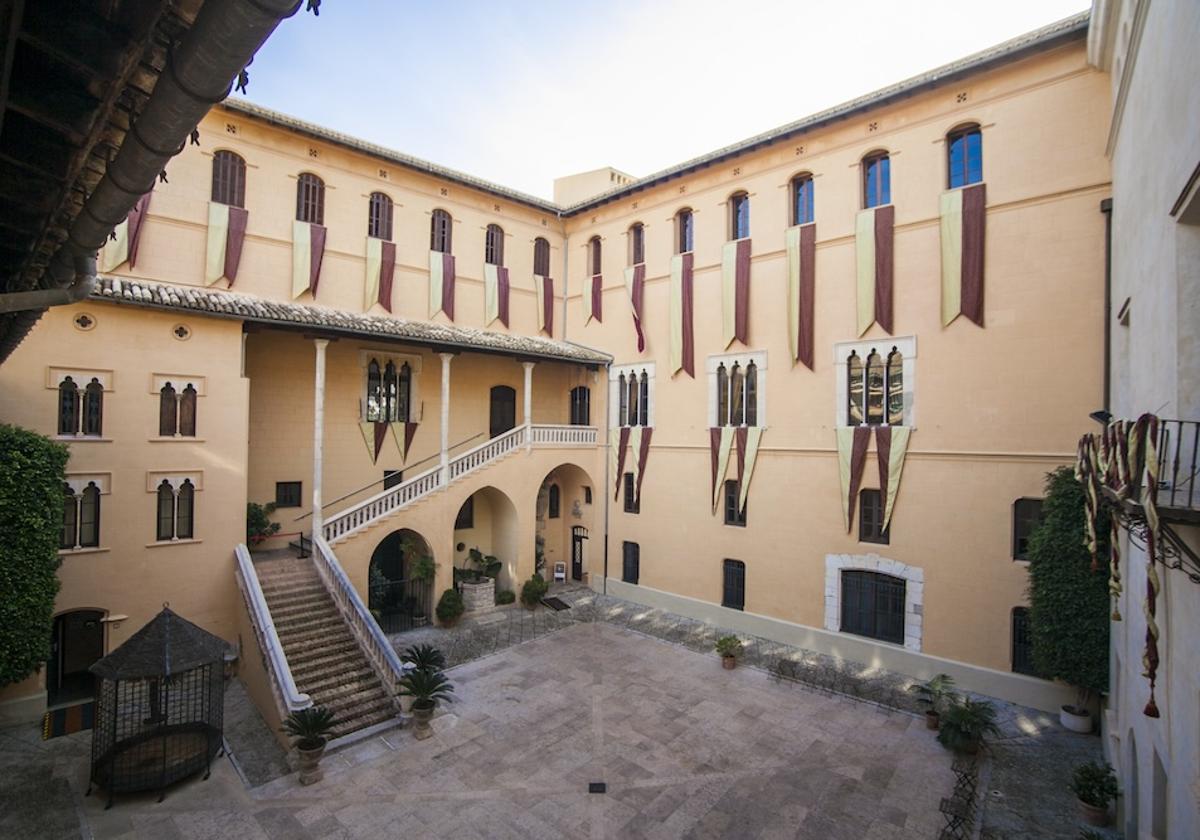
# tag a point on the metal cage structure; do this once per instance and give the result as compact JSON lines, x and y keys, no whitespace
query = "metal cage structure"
{"x":159,"y":708}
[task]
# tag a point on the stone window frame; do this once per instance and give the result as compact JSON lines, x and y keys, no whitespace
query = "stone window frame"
{"x":365,"y":355}
{"x":842,"y":350}
{"x":711,"y":363}
{"x":614,"y":396}
{"x":914,"y":592}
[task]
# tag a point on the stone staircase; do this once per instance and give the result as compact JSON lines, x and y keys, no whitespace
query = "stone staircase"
{"x":326,"y":661}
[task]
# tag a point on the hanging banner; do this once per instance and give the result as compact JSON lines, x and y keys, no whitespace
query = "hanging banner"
{"x":852,"y":457}
{"x":724,"y":443}
{"x":802,"y":259}
{"x":735,"y":292}
{"x":753,"y":438}
{"x":381,"y":265}
{"x":622,"y":435}
{"x":593,"y":300}
{"x":308,"y":249}
{"x":682,"y":341}
{"x":891,"y":444}
{"x":643,"y":453}
{"x":873,"y":257}
{"x":635,"y":284}
{"x":962,"y":220}
{"x":495,"y":294}
{"x":223,"y":248}
{"x":123,"y":245}
{"x":544,"y":292}
{"x":402,"y":434}
{"x":441,"y":284}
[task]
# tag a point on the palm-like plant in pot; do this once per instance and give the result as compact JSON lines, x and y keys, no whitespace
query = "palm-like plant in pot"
{"x":1095,"y":784}
{"x":427,"y":688}
{"x":933,"y":695}
{"x":729,"y":648}
{"x":965,"y":722}
{"x":423,"y":657}
{"x":310,"y":728}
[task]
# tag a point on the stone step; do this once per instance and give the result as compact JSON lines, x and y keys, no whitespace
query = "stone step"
{"x":307,"y":624}
{"x":315,"y":595}
{"x":290,"y":586}
{"x":334,"y":689}
{"x":322,"y":608}
{"x":365,"y":718}
{"x":300,"y":647}
{"x":353,"y":703}
{"x":354,"y":673}
{"x":332,"y":656}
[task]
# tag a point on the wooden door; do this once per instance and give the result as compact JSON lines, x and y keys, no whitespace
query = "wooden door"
{"x":503,"y":410}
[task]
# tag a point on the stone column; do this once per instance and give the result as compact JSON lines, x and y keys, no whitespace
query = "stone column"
{"x":445,"y":459}
{"x":318,"y":434}
{"x":528,"y":403}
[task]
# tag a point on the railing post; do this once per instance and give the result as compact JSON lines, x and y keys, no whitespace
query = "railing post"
{"x":318,"y":434}
{"x":445,"y":453}
{"x":528,"y":404}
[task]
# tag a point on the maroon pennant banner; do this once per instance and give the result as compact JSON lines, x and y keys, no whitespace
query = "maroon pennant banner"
{"x":502,"y":288}
{"x":808,"y":268}
{"x":137,"y":215}
{"x":973,"y":216}
{"x":448,"y":285}
{"x":235,"y":237}
{"x":689,"y":337}
{"x":714,"y":443}
{"x":885,"y":218}
{"x":387,"y":268}
{"x":883,"y":454}
{"x":622,"y":445}
{"x":410,"y":429}
{"x":597,"y":297}
{"x":380,"y":436}
{"x":739,"y":438}
{"x":643,"y":454}
{"x":637,"y":293}
{"x":547,"y":304}
{"x":317,"y":232}
{"x":741,"y":292}
{"x":858,"y":460}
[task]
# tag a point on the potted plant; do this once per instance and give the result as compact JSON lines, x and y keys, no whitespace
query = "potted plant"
{"x":421,"y":569}
{"x":259,"y":527}
{"x":534,"y":590}
{"x":1069,"y":602}
{"x":1095,"y":785}
{"x":450,"y":607}
{"x":427,"y":688}
{"x":933,"y":695}
{"x":310,"y":728}
{"x":729,"y":648}
{"x":505,"y":596}
{"x":486,"y":565}
{"x":964,"y":724}
{"x":425,"y":657}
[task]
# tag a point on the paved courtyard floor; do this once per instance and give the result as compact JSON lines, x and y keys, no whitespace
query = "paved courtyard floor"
{"x":685,"y":748}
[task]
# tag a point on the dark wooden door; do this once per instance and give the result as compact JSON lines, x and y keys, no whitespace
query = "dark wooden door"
{"x":578,"y":535}
{"x":78,"y":641}
{"x":503,"y":410}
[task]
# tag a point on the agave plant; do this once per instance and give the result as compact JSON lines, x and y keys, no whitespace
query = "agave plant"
{"x":427,"y":688}
{"x":310,"y":727}
{"x":425,"y":657}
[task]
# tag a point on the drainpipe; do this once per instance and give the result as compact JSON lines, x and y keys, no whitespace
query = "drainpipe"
{"x":199,"y":73}
{"x":1106,"y":209}
{"x":563,"y":225}
{"x":607,"y":460}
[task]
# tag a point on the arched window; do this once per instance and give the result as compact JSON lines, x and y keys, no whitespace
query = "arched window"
{"x":739,"y":215}
{"x":635,"y":392}
{"x":541,"y":257}
{"x":440,"y":232}
{"x":644,"y":401}
{"x":493,"y":245}
{"x":752,"y":394}
{"x":93,"y":408}
{"x":187,"y":411}
{"x":964,"y":156}
{"x":66,"y":539}
{"x":166,"y":511}
{"x":185,"y":510}
{"x":875,"y":389}
{"x":895,"y":388}
{"x":737,"y":394}
{"x":68,"y":407}
{"x":802,"y":199}
{"x":229,"y":179}
{"x":168,"y":411}
{"x":404,"y":395}
{"x":389,"y":393}
{"x":722,"y":395}
{"x":581,"y":410}
{"x":623,"y":401}
{"x":310,"y":199}
{"x":877,"y":179}
{"x":684,"y":240}
{"x":555,"y":502}
{"x":594,"y":255}
{"x":637,"y":243}
{"x":374,"y":393}
{"x":379,"y":216}
{"x":89,"y":516}
{"x":855,"y":387}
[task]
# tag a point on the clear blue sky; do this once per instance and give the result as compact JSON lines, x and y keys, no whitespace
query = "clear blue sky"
{"x":522,"y":92}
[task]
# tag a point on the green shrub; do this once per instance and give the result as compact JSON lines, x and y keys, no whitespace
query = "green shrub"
{"x":259,"y":526}
{"x":534,"y":590}
{"x":450,"y":607}
{"x":310,"y":727}
{"x":1095,"y":783}
{"x":729,"y":646}
{"x":1069,"y":603}
{"x":505,"y":596}
{"x":32,"y":469}
{"x":965,"y":722}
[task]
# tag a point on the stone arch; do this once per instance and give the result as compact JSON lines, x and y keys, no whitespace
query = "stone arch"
{"x":398,"y":600}
{"x":555,"y":538}
{"x":493,"y":529}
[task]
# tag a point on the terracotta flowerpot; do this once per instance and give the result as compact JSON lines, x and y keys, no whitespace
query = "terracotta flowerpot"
{"x":728,"y":662}
{"x":422,"y":715}
{"x":1076,"y":720}
{"x":933,"y":721}
{"x":310,"y":764}
{"x":1093,"y":814}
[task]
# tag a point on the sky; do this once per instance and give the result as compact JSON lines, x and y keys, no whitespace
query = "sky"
{"x":520,"y":93}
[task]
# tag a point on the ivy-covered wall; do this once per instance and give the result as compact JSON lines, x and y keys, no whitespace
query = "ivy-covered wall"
{"x":31,"y":510}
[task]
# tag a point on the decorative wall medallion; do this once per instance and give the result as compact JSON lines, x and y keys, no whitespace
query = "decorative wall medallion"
{"x":181,"y":331}
{"x":84,"y":321}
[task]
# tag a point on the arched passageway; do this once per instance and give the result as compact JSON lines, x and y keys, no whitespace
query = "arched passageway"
{"x":487,"y":522}
{"x":400,"y":582}
{"x":566,"y":517}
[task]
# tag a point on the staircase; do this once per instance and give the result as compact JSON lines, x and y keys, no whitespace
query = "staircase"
{"x":325,"y":659}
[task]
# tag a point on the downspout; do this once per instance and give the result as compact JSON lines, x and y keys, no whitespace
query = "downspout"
{"x":198,"y":74}
{"x":1106,"y":209}
{"x":607,"y":460}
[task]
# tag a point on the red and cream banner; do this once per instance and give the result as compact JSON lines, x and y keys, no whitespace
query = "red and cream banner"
{"x":735,"y":292}
{"x":682,"y":342}
{"x":308,"y":249}
{"x":593,"y":299}
{"x":873,"y":252}
{"x":226,"y":235}
{"x":403,"y":433}
{"x":618,"y":439}
{"x":962,"y":227}
{"x":721,"y":444}
{"x":724,"y":443}
{"x":381,"y":266}
{"x":495,"y":294}
{"x":749,"y":438}
{"x":441,"y":284}
{"x":122,"y":246}
{"x":852,"y":457}
{"x":544,"y":292}
{"x":374,"y":433}
{"x":802,"y":261}
{"x":635,"y":284}
{"x":642,"y":448}
{"x":891,"y":444}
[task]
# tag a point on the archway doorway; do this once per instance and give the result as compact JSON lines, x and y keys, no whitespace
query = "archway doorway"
{"x":565,"y":515}
{"x":487,"y":522}
{"x":398,"y":594}
{"x":502,"y":410}
{"x":76,"y":643}
{"x":578,"y":535}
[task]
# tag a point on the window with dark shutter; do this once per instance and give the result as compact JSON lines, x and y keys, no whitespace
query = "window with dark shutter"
{"x":68,"y":407}
{"x":594,"y":257}
{"x":93,"y":408}
{"x":229,"y":179}
{"x":632,"y":503}
{"x":733,"y":591}
{"x":392,"y":478}
{"x":541,"y":257}
{"x":637,"y":244}
{"x":465,"y":519}
{"x":802,"y":199}
{"x":288,"y":494}
{"x":89,"y":516}
{"x":1022,"y":643}
{"x":166,"y":512}
{"x":873,"y":605}
{"x":66,"y":539}
{"x":870,"y":518}
{"x":877,"y":180}
{"x":587,"y":495}
{"x":964,"y":156}
{"x":553,"y":502}
{"x":493,"y":245}
{"x":403,"y":394}
{"x":581,"y":411}
{"x":374,"y":392}
{"x":644,"y":400}
{"x":379,"y":216}
{"x":187,"y":411}
{"x":441,"y":228}
{"x":684,"y":240}
{"x":1027,"y":515}
{"x":622,"y":402}
{"x":185,"y":510}
{"x":310,"y":199}
{"x":739,"y":215}
{"x":631,"y":562}
{"x":735,"y":514}
{"x":168,"y":410}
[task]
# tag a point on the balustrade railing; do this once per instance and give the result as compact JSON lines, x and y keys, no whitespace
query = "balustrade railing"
{"x":565,"y":435}
{"x":1178,"y":444}
{"x":487,"y":452}
{"x":287,"y":697}
{"x":381,"y":504}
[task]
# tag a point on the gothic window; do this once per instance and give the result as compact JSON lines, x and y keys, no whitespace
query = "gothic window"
{"x":493,"y":245}
{"x":440,"y":231}
{"x":310,"y":199}
{"x":229,"y":179}
{"x":379,"y":216}
{"x":168,"y":411}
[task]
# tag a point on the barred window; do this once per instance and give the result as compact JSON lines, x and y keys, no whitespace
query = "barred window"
{"x":229,"y":179}
{"x":594,"y":255}
{"x":735,"y":514}
{"x":1022,"y":643}
{"x":440,"y":232}
{"x":288,"y":493}
{"x":870,"y":518}
{"x":637,"y":244}
{"x":733,"y":589}
{"x":310,"y":199}
{"x":379,"y":216}
{"x":1026,"y":515}
{"x":632,"y":503}
{"x":873,"y":605}
{"x":541,"y":257}
{"x":631,"y":562}
{"x":493,"y":245}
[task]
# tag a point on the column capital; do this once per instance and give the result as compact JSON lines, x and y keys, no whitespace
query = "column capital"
{"x":320,"y":342}
{"x":528,"y":365}
{"x":447,"y":357}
